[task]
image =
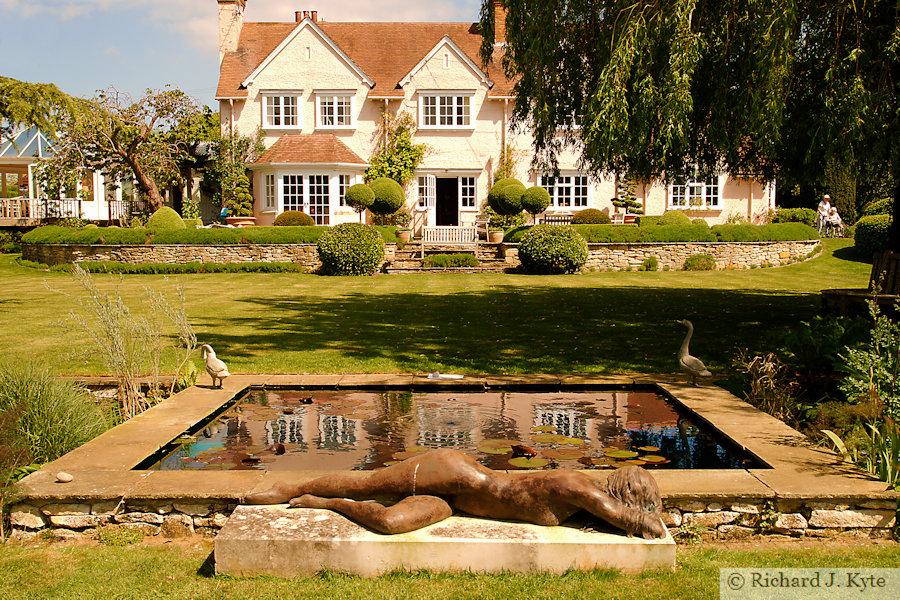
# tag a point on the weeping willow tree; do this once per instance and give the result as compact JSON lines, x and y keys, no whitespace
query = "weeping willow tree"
{"x":30,"y":104}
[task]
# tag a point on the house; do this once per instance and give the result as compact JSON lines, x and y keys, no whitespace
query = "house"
{"x":92,"y":197}
{"x":318,"y":88}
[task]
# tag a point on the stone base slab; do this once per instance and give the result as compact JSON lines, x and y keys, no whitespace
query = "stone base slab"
{"x":275,"y":540}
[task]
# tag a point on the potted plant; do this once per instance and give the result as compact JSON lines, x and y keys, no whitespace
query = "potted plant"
{"x":404,"y":234}
{"x":495,"y":236}
{"x":239,"y":202}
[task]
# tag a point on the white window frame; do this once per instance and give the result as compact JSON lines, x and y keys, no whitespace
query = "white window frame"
{"x":270,"y":197}
{"x":707,"y":191}
{"x":426,"y":191}
{"x":566,"y":186}
{"x":344,"y":183}
{"x":467,"y":192}
{"x":454,"y":106}
{"x":269,"y":100}
{"x":331,"y":97}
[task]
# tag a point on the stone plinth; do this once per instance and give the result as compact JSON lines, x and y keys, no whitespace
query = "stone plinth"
{"x":275,"y":540}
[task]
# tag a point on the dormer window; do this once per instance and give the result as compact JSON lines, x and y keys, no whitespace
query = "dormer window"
{"x":447,"y":111}
{"x":334,"y":110}
{"x":281,"y":110}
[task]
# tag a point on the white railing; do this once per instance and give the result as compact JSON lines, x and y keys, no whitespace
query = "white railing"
{"x":449,"y":235}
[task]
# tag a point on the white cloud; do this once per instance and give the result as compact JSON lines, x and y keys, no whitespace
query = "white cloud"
{"x":113,"y":51}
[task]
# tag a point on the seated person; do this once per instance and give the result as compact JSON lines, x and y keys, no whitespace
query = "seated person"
{"x":431,"y":486}
{"x":834,"y":223}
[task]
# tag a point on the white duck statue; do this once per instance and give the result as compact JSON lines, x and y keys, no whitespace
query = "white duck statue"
{"x":215,"y":367}
{"x":691,"y":365}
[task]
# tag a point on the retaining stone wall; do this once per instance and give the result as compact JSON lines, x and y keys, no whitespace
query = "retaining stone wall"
{"x":602,"y":257}
{"x":724,"y":519}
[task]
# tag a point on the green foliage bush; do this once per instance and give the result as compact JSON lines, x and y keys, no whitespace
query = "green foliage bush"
{"x":647,"y":220}
{"x":699,"y":262}
{"x":535,"y":200}
{"x":650,"y":264}
{"x":54,"y":416}
{"x":444,"y":261}
{"x":775,"y":232}
{"x":10,"y":242}
{"x":598,"y":234}
{"x":191,"y":223}
{"x":700,"y":223}
{"x":294,"y":218}
{"x":552,"y":249}
{"x":350,"y":249}
{"x":807,"y":216}
{"x":54,"y":234}
{"x":884,"y":206}
{"x":359,"y":197}
{"x":388,"y":196}
{"x":674,"y":217}
{"x":871,"y":234}
{"x":504,"y":222}
{"x":399,"y":218}
{"x":591,"y":216}
{"x":505,"y":197}
{"x":165,"y":218}
{"x":177,"y":269}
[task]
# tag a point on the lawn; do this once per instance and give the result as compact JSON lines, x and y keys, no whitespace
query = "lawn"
{"x":595,"y":322}
{"x":52,"y":571}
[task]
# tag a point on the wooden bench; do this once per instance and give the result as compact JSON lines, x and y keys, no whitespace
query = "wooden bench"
{"x":557,"y":219}
{"x":884,"y":288}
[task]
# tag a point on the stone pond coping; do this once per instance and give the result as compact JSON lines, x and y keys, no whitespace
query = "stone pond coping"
{"x":808,"y":491}
{"x":602,"y":257}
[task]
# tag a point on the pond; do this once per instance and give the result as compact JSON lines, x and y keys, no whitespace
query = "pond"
{"x":359,"y":430}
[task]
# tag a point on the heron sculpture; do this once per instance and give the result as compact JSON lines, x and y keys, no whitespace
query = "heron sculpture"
{"x":215,"y":367}
{"x":691,"y":365}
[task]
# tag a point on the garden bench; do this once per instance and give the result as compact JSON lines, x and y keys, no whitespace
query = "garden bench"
{"x":557,"y":219}
{"x":885,"y":278}
{"x":466,"y":235}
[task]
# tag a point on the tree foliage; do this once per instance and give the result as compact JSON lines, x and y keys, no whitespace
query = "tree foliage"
{"x":24,"y":104}
{"x":125,"y":139}
{"x":396,"y":156}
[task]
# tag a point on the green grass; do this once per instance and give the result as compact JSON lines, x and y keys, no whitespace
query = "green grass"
{"x":595,"y":322}
{"x":50,"y":571}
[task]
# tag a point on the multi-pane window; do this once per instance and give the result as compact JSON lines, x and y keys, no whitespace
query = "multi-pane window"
{"x":269,"y":191}
{"x":696,"y":193}
{"x":292,"y":192}
{"x":318,"y":198}
{"x":467,"y":192}
{"x":427,"y":191}
{"x":343,"y":186}
{"x":335,"y":111}
{"x":281,"y":111}
{"x":566,"y":191}
{"x":445,"y":111}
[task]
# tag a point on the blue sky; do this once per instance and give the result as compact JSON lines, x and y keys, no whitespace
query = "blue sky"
{"x":86,"y":45}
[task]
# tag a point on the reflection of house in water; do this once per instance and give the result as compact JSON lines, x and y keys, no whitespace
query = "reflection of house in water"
{"x":446,"y":426}
{"x":287,"y":429}
{"x":568,"y":420}
{"x":337,"y":432}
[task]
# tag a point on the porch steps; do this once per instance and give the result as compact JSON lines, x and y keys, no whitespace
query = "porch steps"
{"x":410,"y":258}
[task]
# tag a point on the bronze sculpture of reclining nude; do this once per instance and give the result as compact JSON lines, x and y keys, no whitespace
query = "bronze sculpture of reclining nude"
{"x":431,"y":486}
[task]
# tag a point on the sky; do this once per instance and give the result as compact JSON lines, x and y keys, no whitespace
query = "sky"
{"x":87,"y":45}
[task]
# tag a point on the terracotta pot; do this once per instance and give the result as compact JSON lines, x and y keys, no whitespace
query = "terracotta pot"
{"x":240,"y":221}
{"x":495,"y":237}
{"x":404,"y":235}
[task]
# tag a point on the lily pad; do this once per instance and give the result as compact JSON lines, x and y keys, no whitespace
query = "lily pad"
{"x":563,"y":454}
{"x":529,"y":463}
{"x":648,"y":449}
{"x":621,"y":454}
{"x":499,"y":442}
{"x":572,"y":441}
{"x":488,"y":449}
{"x":549,"y":438}
{"x":654,"y":458}
{"x":544,"y":428}
{"x":636,"y":462}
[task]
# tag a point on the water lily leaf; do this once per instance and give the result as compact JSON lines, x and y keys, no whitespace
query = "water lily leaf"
{"x":563,"y":454}
{"x":388,"y":463}
{"x":636,"y":462}
{"x":572,"y":441}
{"x":499,"y":442}
{"x":621,"y":454}
{"x":417,"y":448}
{"x":544,"y":428}
{"x":488,"y":449}
{"x":648,"y":449}
{"x":549,"y":438}
{"x":529,"y":463}
{"x":654,"y":458}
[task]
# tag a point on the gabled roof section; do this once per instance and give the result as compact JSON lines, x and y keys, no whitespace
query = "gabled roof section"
{"x":26,"y":143}
{"x":446,"y":42}
{"x":386,"y":52}
{"x":308,"y":23}
{"x":309,"y":149}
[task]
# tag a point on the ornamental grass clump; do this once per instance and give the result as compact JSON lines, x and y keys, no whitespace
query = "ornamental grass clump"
{"x":552,"y":249}
{"x":350,"y":249}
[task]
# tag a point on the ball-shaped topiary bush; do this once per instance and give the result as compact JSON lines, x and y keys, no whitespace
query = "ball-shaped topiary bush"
{"x":699,"y":262}
{"x":871,"y":234}
{"x":674,"y":217}
{"x":359,"y":197}
{"x":350,"y":249}
{"x":388,"y":196}
{"x":165,"y":218}
{"x":505,"y":197}
{"x":294,"y":218}
{"x":884,"y":206}
{"x":700,"y":223}
{"x":552,"y":249}
{"x":591,"y":216}
{"x":535,"y":200}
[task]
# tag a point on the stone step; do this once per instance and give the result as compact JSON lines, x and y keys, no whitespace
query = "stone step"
{"x":275,"y":540}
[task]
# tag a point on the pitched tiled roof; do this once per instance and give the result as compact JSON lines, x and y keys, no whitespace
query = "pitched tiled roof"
{"x":301,"y":149}
{"x":386,"y":52}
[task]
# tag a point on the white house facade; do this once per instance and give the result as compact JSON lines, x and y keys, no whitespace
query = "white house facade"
{"x":317,"y":90}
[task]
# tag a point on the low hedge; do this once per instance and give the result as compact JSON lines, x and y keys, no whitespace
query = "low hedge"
{"x":775,"y":232}
{"x":54,"y":234}
{"x":179,"y":269}
{"x":807,"y":216}
{"x":445,"y":261}
{"x":695,"y":232}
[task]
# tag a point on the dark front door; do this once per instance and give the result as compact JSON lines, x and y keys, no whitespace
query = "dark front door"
{"x":446,"y":203}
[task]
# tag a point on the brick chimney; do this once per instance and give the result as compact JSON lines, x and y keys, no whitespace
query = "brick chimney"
{"x":299,"y":15}
{"x":499,"y":22}
{"x":231,"y":20}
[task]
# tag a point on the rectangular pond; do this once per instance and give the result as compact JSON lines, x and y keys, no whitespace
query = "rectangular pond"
{"x":315,"y":429}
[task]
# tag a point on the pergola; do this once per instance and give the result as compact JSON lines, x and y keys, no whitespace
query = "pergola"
{"x":16,"y":156}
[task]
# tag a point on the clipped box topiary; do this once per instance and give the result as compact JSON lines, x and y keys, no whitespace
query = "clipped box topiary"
{"x":591,"y":216}
{"x":505,"y":197}
{"x":359,"y":197}
{"x":350,"y":249}
{"x":871,"y":234}
{"x":674,"y":217}
{"x":294,"y":218}
{"x":388,"y":196}
{"x":884,"y":206}
{"x":552,"y":249}
{"x":165,"y":218}
{"x":535,"y":200}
